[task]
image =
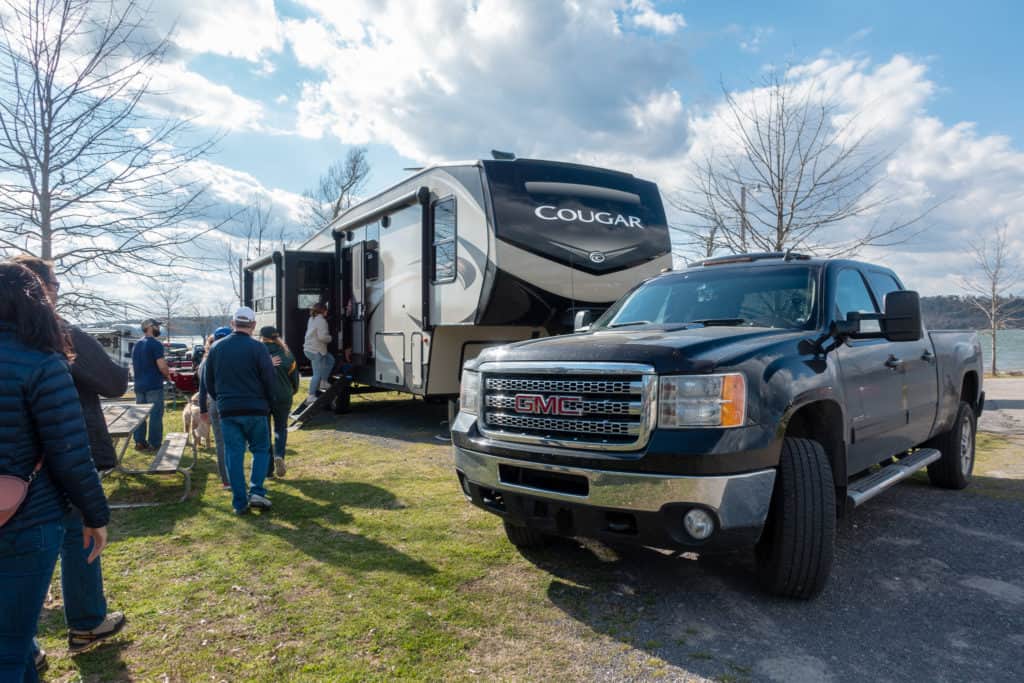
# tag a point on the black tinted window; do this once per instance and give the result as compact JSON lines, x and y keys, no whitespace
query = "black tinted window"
{"x":882,"y":284}
{"x":776,"y":296}
{"x":852,"y":295}
{"x":444,"y":240}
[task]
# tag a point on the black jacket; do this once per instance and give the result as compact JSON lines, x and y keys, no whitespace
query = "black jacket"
{"x":238,"y":375}
{"x":40,"y":414}
{"x":95,"y":375}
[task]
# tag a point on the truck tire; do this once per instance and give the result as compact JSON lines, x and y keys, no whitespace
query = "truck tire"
{"x":953,"y":470}
{"x":794,"y":555}
{"x":524,"y":536}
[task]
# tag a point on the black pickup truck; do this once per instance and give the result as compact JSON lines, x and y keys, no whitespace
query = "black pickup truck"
{"x":744,"y":402}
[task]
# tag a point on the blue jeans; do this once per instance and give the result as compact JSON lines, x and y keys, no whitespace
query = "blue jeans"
{"x":156,"y":418}
{"x":279,"y":413}
{"x":27,"y":558}
{"x":81,"y":583}
{"x":239,"y":431}
{"x":218,"y":439}
{"x":322,"y":364}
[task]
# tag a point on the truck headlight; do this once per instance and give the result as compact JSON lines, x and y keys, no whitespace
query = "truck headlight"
{"x":469,"y":392}
{"x":702,"y":401}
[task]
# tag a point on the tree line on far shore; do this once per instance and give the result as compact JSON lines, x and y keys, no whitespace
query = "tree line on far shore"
{"x":955,"y":312}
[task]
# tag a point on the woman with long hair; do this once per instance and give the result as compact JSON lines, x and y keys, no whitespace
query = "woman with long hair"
{"x":318,"y":336}
{"x":44,"y":460}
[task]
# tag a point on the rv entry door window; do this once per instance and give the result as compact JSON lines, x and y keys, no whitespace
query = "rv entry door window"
{"x":444,"y":240}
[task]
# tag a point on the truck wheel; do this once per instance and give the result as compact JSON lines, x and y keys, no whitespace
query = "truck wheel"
{"x":953,"y":470}
{"x":794,"y":555}
{"x":524,"y":536}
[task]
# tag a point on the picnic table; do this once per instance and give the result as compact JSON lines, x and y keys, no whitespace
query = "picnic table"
{"x":122,"y":420}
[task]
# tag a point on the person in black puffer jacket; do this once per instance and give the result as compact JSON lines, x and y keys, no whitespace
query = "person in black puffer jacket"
{"x":95,"y":374}
{"x":40,"y":420}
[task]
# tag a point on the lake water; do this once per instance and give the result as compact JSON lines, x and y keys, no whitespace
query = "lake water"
{"x":1009,"y":349}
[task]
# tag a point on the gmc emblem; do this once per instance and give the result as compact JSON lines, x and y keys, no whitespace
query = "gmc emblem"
{"x":549,"y":405}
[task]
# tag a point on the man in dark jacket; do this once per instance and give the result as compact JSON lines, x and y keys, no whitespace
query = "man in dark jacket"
{"x":286,"y":383}
{"x":240,"y":378}
{"x":95,"y":374}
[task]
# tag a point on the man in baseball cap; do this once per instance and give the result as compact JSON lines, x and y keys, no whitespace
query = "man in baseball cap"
{"x":150,"y":370}
{"x":239,"y":376}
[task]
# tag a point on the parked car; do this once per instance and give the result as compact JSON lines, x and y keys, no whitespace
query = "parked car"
{"x":744,"y":402}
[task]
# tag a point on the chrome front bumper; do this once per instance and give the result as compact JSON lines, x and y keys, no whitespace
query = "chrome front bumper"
{"x":739,"y":501}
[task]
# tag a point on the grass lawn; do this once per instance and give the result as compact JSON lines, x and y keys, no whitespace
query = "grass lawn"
{"x":371,"y":566}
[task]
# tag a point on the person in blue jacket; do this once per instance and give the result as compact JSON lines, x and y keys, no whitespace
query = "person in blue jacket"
{"x":240,"y":378}
{"x":41,"y":426}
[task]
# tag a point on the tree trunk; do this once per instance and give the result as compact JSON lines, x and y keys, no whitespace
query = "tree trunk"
{"x":994,"y":372}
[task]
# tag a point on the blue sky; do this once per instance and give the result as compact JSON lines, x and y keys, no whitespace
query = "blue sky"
{"x":629,"y":84}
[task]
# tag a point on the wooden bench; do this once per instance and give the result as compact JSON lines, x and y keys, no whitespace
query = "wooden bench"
{"x":168,"y":460}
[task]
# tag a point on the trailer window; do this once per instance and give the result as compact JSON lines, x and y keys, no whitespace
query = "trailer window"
{"x":444,"y":240}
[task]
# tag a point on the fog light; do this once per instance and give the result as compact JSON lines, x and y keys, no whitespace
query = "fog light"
{"x":699,"y":523}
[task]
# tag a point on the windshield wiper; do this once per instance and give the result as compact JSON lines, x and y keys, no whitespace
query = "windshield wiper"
{"x":632,"y":322}
{"x":720,"y":322}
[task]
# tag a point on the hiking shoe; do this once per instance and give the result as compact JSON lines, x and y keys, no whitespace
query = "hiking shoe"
{"x":141,"y":446}
{"x":83,"y":641}
{"x":258,"y":501}
{"x":40,"y":657}
{"x":279,"y":467}
{"x":243,"y":511}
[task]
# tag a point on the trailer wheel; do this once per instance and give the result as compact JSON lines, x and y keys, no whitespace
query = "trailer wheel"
{"x":341,"y":403}
{"x":524,"y":536}
{"x":953,"y":470}
{"x":794,"y":555}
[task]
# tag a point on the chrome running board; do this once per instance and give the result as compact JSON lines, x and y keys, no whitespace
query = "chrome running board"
{"x":870,"y":486}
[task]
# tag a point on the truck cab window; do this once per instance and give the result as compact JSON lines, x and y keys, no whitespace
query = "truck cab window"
{"x":882,"y":284}
{"x":444,"y":240}
{"x":852,"y":295}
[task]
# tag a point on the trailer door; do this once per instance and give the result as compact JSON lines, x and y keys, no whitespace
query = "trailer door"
{"x":357,"y":282}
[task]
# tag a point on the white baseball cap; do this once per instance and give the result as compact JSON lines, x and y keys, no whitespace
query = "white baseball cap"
{"x":244,"y":315}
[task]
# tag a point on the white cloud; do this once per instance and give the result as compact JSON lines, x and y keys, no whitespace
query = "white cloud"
{"x":176,"y":91}
{"x":245,"y":29}
{"x":752,"y":42}
{"x":443,"y":78}
{"x":644,"y":15}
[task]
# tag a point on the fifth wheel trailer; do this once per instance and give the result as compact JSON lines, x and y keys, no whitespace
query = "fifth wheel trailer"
{"x":462,"y":256}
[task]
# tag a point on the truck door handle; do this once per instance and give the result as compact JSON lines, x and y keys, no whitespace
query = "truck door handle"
{"x":894,"y":363}
{"x":928,"y":356}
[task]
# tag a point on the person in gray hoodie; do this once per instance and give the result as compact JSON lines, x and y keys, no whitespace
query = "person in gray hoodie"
{"x":314,"y":345}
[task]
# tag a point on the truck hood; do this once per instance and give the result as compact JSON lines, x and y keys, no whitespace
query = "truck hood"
{"x":669,"y":349}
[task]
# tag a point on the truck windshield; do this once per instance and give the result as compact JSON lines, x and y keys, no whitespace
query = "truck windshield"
{"x":767,"y":296}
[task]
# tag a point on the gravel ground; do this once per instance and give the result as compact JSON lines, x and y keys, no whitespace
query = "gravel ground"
{"x":1004,"y":406}
{"x":927,"y":585}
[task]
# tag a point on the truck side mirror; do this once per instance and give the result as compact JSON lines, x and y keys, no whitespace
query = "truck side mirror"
{"x":902,"y":318}
{"x":581,"y":322}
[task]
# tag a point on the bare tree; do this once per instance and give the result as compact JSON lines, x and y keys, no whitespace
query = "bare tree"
{"x":798,"y":172}
{"x":997,"y":274}
{"x":258,"y":232}
{"x":88,"y":178}
{"x":168,"y":297}
{"x":336,"y":189}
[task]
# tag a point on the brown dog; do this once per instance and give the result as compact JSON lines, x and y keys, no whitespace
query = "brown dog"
{"x":197,"y":429}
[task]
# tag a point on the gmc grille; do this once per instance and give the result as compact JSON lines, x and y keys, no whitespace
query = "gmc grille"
{"x":585,"y":406}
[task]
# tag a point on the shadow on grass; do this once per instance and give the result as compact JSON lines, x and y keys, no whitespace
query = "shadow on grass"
{"x":400,"y":419}
{"x":309,"y":523}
